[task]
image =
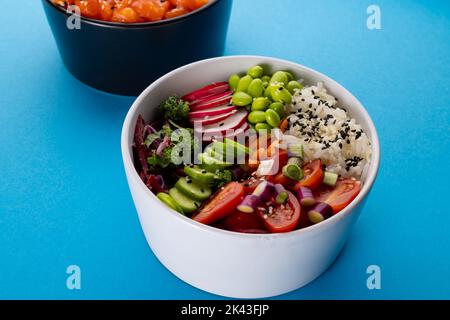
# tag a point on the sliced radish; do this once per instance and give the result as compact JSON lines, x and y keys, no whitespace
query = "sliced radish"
{"x":231,"y":123}
{"x":213,"y":101}
{"x":212,"y":89}
{"x":230,"y":135}
{"x":210,"y":120}
{"x":212,"y":112}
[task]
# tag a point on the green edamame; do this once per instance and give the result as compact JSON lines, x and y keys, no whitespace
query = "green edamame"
{"x":233,"y":81}
{"x":279,"y":108}
{"x":266,"y":79}
{"x":257,"y":117}
{"x":244,"y":83}
{"x":260,"y":104}
{"x":256,"y":71}
{"x":281,"y":94}
{"x":294,"y":85}
{"x":290,"y":76}
{"x":256,"y":89}
{"x":272,"y":118}
{"x":263,"y":126}
{"x":241,"y":99}
{"x":280,"y":77}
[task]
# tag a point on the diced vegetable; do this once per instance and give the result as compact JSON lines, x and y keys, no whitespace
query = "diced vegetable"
{"x":293,"y":171}
{"x":295,"y":150}
{"x":306,"y":197}
{"x":320,"y":212}
{"x":281,"y":195}
{"x":330,"y":178}
{"x":249,"y":204}
{"x":264,"y":190}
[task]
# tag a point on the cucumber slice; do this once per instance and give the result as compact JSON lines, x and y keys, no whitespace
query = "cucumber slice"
{"x":212,"y":164}
{"x":199,"y":175}
{"x":170,"y":202}
{"x":188,"y":205}
{"x":193,"y":190}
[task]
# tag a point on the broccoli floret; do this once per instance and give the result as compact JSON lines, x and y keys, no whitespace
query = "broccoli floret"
{"x":223,"y":177}
{"x":175,"y":109}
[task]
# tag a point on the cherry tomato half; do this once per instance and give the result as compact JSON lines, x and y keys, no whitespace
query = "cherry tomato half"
{"x":313,"y":175}
{"x":343,"y":193}
{"x":244,"y":222}
{"x":222,"y":204}
{"x":284,"y":218}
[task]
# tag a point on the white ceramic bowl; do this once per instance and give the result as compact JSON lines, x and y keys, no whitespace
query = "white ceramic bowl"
{"x":232,"y":264}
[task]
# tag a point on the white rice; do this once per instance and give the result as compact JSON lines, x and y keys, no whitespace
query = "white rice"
{"x":328,"y":132}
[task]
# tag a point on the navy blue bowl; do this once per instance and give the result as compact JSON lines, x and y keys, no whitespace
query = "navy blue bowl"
{"x":125,"y":58}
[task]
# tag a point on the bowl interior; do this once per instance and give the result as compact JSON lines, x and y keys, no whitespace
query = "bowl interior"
{"x":196,"y":75}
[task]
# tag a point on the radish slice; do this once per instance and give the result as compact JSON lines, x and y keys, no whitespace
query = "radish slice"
{"x":212,"y":112}
{"x":231,"y":123}
{"x":210,"y":120}
{"x":213,"y":101}
{"x":230,"y":135}
{"x":212,"y":89}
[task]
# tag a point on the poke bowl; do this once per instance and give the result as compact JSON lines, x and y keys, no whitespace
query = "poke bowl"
{"x":273,"y":222}
{"x":123,"y":49}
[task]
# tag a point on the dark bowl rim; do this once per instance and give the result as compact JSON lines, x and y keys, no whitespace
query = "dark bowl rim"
{"x":120,"y":25}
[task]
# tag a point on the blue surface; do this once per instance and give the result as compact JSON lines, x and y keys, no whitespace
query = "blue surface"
{"x":64,"y":199}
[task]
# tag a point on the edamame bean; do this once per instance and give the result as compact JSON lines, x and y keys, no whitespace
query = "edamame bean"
{"x":260,"y":104}
{"x":233,"y":81}
{"x":289,"y":75}
{"x":281,"y":94}
{"x":256,"y":71}
{"x":244,"y":83}
{"x":280,"y":77}
{"x":266,"y":79}
{"x":263,"y":127}
{"x":272,"y":118}
{"x":265,"y":84}
{"x":256,"y":89}
{"x":279,"y":108}
{"x":241,"y":99}
{"x":257,"y":117}
{"x":294,"y":85}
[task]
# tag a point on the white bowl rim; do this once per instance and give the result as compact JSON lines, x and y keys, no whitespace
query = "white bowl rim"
{"x":369,"y":181}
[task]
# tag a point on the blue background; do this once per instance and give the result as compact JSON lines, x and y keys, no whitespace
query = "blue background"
{"x":63,"y":194}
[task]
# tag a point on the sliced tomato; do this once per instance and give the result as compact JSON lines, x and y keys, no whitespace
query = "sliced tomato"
{"x":313,"y":175}
{"x":283,"y":180}
{"x":343,"y":193}
{"x":284,"y":218}
{"x":222,"y":204}
{"x":244,"y":222}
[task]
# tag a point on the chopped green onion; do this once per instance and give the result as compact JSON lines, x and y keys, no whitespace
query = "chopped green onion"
{"x":293,"y":171}
{"x":296,"y":150}
{"x":330,"y":178}
{"x":296,"y":161}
